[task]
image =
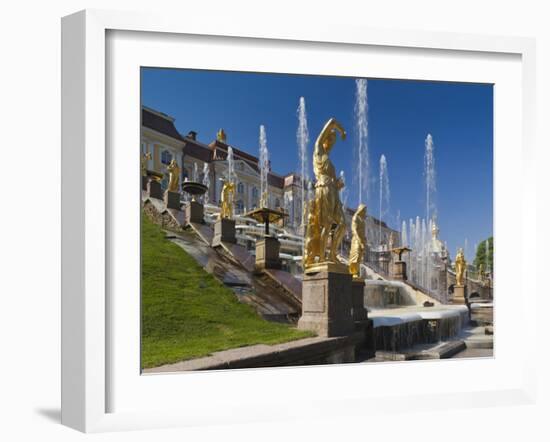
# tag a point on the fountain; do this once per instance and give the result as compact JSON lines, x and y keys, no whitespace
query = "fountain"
{"x":302,"y":137}
{"x":404,"y":239}
{"x":194,"y":210}
{"x":384,"y":200}
{"x":361,"y":123}
{"x":264,"y":168}
{"x":429,"y":175}
{"x":230,"y":164}
{"x":267,"y":248}
{"x":206,"y":181}
{"x":343,"y":191}
{"x":400,"y":266}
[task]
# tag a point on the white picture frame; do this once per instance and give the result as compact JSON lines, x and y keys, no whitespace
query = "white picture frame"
{"x":87,"y":232}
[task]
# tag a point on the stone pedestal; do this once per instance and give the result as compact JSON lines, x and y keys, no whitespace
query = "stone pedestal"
{"x":359,"y":312}
{"x":172,"y":200}
{"x":144,"y":181}
{"x":459,"y":294}
{"x":267,"y":253}
{"x":224,"y":231}
{"x":194,"y":212}
{"x":327,"y":304}
{"x":400,"y":270}
{"x":154,"y":189}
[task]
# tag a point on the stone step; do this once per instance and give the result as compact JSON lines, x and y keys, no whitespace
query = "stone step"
{"x":441,"y":350}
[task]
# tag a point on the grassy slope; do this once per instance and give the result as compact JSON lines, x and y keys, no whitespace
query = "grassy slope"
{"x":187,"y":313}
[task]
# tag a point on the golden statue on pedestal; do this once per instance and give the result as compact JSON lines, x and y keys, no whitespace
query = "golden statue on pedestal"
{"x":144,"y":157}
{"x":358,"y":241}
{"x":174,"y":180}
{"x":313,"y":235}
{"x":221,"y":136}
{"x":460,"y":267}
{"x":327,"y":214}
{"x":228,"y":190}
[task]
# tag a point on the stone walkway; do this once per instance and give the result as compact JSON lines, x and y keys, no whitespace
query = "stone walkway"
{"x":306,"y":351}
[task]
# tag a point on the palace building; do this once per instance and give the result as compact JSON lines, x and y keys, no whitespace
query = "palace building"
{"x":160,"y":137}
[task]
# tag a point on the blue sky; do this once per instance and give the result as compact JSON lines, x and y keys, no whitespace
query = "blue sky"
{"x":401,"y":113}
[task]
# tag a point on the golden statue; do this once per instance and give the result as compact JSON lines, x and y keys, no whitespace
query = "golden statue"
{"x":358,"y":241}
{"x":174,"y":180}
{"x":228,"y":190}
{"x":329,"y":214}
{"x":312,"y":236}
{"x":221,"y":136}
{"x":460,"y":267}
{"x":144,"y":157}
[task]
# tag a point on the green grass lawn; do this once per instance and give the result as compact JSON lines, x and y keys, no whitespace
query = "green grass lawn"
{"x":187,"y":313}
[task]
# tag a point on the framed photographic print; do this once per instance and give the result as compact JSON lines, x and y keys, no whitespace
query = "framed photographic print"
{"x":279,"y":211}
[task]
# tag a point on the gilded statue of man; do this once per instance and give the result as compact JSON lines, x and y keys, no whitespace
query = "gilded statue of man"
{"x":313,"y":233}
{"x":460,"y":267}
{"x":174,"y":180}
{"x":330,"y":212}
{"x":228,"y":190}
{"x":358,"y":241}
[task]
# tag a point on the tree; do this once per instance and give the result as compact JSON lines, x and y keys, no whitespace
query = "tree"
{"x":484,"y":258}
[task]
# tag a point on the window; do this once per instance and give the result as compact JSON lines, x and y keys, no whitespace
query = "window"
{"x":239,"y":206}
{"x":240,"y":188}
{"x":254,"y":192}
{"x":277,"y":202}
{"x":165,"y":157}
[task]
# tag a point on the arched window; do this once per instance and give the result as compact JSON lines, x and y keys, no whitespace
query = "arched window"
{"x":240,"y":188}
{"x":165,"y":157}
{"x":254,"y":192}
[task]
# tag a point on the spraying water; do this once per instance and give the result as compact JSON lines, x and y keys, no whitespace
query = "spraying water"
{"x":404,"y":239}
{"x":230,"y":164}
{"x":206,"y":181}
{"x":195,"y":172}
{"x":302,"y":137}
{"x":429,"y":175}
{"x":264,"y":167}
{"x":343,"y":191}
{"x":424,"y":260}
{"x":361,"y":122}
{"x":384,"y":200}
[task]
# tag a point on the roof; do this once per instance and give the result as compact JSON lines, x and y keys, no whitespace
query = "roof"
{"x":197,"y":150}
{"x":217,"y":150}
{"x":159,"y":122}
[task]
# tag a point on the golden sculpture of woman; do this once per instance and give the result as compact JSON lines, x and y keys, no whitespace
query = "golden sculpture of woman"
{"x":221,"y":136}
{"x":358,"y":241}
{"x":313,"y":232}
{"x":228,"y":190}
{"x":460,"y":267}
{"x":144,"y":157}
{"x":328,"y":206}
{"x":174,"y":180}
